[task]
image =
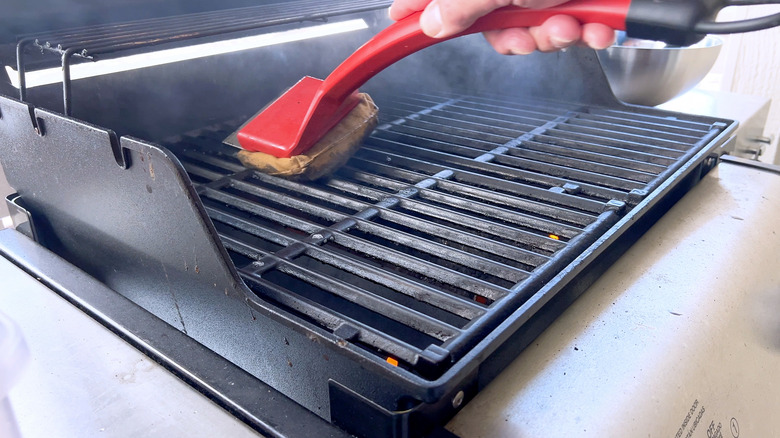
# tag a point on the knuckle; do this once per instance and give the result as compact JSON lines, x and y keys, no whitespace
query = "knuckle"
{"x":462,"y":14}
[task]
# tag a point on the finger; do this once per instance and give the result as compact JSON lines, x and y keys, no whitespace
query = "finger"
{"x":557,"y":32}
{"x":598,"y":36}
{"x":443,"y":18}
{"x":515,"y":41}
{"x":403,"y":8}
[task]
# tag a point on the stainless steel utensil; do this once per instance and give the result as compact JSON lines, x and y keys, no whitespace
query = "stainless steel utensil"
{"x":649,"y":73}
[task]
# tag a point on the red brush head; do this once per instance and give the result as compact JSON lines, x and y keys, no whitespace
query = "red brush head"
{"x":294,"y":122}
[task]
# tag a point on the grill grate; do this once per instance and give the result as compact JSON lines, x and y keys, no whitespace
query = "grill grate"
{"x":456,"y":210}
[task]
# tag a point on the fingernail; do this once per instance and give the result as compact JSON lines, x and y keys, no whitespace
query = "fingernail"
{"x":560,"y":43}
{"x":430,"y":21}
{"x":599,"y":46}
{"x":520,"y":51}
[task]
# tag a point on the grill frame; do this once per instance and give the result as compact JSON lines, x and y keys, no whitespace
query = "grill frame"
{"x":355,"y":385}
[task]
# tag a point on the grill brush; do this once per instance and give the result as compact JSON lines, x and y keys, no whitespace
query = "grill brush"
{"x":298,"y":120}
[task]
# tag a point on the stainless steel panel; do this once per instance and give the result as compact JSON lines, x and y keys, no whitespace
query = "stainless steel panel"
{"x":687,"y":316}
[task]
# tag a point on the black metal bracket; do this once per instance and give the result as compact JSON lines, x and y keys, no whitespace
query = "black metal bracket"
{"x":96,"y":197}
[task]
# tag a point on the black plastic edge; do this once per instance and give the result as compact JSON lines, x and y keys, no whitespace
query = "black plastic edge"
{"x":671,"y":21}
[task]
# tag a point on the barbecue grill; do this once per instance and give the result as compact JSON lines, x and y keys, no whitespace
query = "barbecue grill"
{"x":493,"y":192}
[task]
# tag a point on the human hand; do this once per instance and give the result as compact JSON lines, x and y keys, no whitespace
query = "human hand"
{"x":443,"y":18}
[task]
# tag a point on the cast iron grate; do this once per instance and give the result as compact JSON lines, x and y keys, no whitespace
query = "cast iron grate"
{"x":455,"y":212}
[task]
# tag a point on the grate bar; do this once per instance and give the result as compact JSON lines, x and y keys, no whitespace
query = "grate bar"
{"x":607,"y":141}
{"x":665,"y":135}
{"x":478,"y":119}
{"x":537,"y":150}
{"x":454,"y":304}
{"x":655,"y":125}
{"x":380,"y":305}
{"x":480,"y":190}
{"x":440,"y":212}
{"x":523,"y":291}
{"x":412,"y":156}
{"x":295,"y":204}
{"x":513,"y":112}
{"x":606,"y":176}
{"x":512,"y":254}
{"x":468,"y":128}
{"x":626,"y":120}
{"x":261,"y":211}
{"x":194,"y":169}
{"x":536,"y":241}
{"x":250,"y":228}
{"x":485,"y":141}
{"x":329,"y":319}
{"x":515,"y":115}
{"x":569,"y":167}
{"x":467,"y":260}
{"x":300,"y":189}
{"x":448,"y":276}
{"x":549,"y":109}
{"x":622,"y":135}
{"x":423,"y":267}
{"x":647,"y":162}
{"x":629,"y":154}
{"x":435,"y":231}
{"x":229,"y":164}
{"x":660,"y":122}
{"x":533,"y":119}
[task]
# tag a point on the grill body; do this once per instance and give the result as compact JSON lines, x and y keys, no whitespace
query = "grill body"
{"x":395,"y":290}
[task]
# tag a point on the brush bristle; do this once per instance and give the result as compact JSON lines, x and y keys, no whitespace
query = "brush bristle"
{"x":328,"y":154}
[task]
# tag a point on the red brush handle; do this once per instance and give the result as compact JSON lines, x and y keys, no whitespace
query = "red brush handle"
{"x":405,"y":37}
{"x":307,"y":111}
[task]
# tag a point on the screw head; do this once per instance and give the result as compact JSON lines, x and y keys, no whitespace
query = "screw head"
{"x":458,"y":399}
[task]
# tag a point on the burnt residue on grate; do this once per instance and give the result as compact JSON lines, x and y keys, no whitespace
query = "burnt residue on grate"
{"x":456,"y":210}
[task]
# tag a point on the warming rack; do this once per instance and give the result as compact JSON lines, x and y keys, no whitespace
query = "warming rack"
{"x":92,"y":42}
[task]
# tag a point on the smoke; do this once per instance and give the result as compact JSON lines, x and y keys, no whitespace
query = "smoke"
{"x":469,"y":65}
